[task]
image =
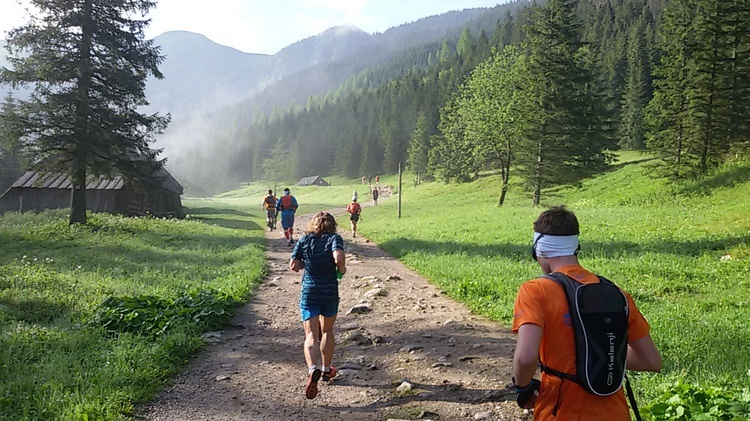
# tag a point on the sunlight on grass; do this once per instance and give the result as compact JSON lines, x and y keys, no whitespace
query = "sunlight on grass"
{"x":680,"y":250}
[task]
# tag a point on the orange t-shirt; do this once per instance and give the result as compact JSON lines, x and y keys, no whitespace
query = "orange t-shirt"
{"x":354,"y":208}
{"x":542,"y":302}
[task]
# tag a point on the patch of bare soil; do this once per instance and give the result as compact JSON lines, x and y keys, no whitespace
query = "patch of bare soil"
{"x":406,"y":352}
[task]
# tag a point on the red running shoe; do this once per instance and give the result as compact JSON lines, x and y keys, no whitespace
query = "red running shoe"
{"x":311,"y":390}
{"x":327,"y":376}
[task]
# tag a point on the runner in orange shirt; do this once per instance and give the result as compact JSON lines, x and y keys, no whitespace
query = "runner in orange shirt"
{"x":354,"y":210}
{"x":542,"y":321}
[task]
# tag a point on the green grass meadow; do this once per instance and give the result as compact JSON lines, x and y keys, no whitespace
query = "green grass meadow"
{"x":680,"y":250}
{"x":64,"y":355}
{"x":94,"y":319}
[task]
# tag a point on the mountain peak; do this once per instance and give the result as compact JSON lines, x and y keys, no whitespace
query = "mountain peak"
{"x":343,"y":30}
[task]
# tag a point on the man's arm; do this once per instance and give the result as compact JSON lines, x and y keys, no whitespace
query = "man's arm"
{"x":526,"y":356}
{"x":643,"y":355}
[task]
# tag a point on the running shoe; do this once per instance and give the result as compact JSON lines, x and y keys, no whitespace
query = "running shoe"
{"x":328,"y":375}
{"x":311,"y":390}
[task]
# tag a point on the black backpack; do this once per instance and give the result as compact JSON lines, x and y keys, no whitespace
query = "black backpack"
{"x":599,"y":316}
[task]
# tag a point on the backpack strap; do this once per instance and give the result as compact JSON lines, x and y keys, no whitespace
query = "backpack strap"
{"x":631,"y":398}
{"x":562,"y":280}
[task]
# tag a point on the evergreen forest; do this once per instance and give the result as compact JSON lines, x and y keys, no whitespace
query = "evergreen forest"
{"x":545,"y":95}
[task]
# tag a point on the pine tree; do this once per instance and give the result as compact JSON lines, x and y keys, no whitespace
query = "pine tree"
{"x":564,"y":132}
{"x":88,"y":61}
{"x":667,"y":111}
{"x":419,"y":146}
{"x":637,"y":90}
{"x":737,"y":27}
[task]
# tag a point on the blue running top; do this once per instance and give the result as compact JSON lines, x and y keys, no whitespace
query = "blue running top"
{"x":319,"y":283}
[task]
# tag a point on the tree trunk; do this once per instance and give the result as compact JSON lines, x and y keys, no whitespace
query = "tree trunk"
{"x":78,"y":196}
{"x":505,"y":175}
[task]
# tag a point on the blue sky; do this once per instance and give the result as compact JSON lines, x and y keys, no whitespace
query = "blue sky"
{"x":266,"y":26}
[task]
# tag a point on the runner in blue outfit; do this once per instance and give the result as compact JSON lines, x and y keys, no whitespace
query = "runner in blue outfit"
{"x":320,"y":251}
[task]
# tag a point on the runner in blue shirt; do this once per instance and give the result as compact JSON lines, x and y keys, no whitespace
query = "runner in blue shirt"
{"x":320,"y":252}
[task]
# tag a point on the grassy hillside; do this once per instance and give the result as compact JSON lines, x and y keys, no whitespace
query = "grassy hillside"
{"x":680,"y":250}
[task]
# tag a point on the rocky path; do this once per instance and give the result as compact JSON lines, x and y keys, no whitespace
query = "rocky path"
{"x":404,"y":350}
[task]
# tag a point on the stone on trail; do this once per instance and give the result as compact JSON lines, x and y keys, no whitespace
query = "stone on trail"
{"x":348,"y":327}
{"x":346,"y":372}
{"x":442,"y":364}
{"x":428,"y":415}
{"x":405,"y":386}
{"x":350,"y":366}
{"x":212,"y":337}
{"x":359,"y":309}
{"x":483,"y":415}
{"x":377,"y":292}
{"x":221,"y":378}
{"x":393,"y":278}
{"x":359,"y":339}
{"x":409,"y":348}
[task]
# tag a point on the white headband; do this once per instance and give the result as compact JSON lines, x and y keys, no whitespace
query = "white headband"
{"x":547,"y":246}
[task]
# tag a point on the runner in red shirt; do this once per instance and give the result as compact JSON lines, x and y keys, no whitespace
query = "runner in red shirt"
{"x":354,"y":210}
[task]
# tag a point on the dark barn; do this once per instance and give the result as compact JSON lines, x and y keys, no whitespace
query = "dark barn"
{"x":36,"y":192}
{"x":315,"y":180}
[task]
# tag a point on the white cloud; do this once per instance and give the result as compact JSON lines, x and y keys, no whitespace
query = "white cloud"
{"x":13,"y":15}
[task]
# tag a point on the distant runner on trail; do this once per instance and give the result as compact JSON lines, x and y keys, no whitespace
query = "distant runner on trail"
{"x":320,"y":252}
{"x":287,"y":205}
{"x":377,"y":180}
{"x":375,"y":194}
{"x":269,"y":204}
{"x":354,"y":210}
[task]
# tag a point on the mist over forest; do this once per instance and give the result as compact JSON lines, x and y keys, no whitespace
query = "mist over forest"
{"x":349,"y":103}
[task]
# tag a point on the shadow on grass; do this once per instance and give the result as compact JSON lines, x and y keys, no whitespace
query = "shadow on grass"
{"x":401,"y":247}
{"x":216,"y":211}
{"x":154,"y":253}
{"x":229,"y":223}
{"x":728,"y":178}
{"x":33,"y":310}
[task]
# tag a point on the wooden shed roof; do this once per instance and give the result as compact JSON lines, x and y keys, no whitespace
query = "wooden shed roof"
{"x":32,"y":179}
{"x":309,"y":181}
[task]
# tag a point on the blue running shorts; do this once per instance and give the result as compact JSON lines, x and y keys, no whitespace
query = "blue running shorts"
{"x":312,"y":310}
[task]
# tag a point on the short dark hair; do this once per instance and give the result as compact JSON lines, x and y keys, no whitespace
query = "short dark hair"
{"x":287,"y":189}
{"x":270,"y":191}
{"x":557,"y":220}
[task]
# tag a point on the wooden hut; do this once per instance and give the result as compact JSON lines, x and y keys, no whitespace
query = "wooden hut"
{"x":36,"y":192}
{"x":315,"y":180}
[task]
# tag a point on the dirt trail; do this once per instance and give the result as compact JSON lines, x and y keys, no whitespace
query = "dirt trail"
{"x":415,"y":355}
